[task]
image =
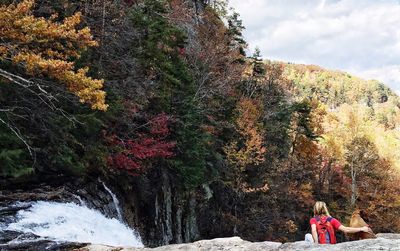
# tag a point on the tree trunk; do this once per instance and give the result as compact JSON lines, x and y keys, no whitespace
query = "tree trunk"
{"x":353,"y":186}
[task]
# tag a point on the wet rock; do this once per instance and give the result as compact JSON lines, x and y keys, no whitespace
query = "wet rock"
{"x":12,"y":240}
{"x":7,"y":236}
{"x":47,"y":193}
{"x":37,"y":245}
{"x":13,"y":209}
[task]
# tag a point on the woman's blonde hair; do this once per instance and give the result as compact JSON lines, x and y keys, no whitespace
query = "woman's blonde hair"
{"x":320,"y":208}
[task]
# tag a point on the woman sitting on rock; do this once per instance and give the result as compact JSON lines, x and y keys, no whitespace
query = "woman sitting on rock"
{"x":323,"y":226}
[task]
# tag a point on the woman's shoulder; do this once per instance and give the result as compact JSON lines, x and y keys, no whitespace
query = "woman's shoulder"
{"x":313,"y":220}
{"x":332,"y":218}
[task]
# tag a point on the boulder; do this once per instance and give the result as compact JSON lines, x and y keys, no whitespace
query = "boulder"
{"x":382,"y":242}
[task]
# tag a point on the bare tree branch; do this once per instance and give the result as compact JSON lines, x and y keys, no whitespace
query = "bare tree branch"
{"x":18,"y":134}
{"x":39,"y":91}
{"x":46,"y":97}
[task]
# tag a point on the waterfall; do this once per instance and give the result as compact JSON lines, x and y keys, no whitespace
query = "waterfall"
{"x":73,"y":223}
{"x":82,"y":202}
{"x":115,"y":201}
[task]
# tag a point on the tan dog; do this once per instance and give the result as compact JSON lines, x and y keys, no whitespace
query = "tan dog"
{"x":357,"y":221}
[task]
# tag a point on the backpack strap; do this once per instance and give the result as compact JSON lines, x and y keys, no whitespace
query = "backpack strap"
{"x":328,"y":219}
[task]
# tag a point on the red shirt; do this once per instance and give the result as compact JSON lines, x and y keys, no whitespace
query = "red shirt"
{"x":335,"y":223}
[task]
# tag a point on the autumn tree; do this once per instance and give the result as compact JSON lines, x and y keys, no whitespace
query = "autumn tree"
{"x":133,"y":153}
{"x":39,"y":78}
{"x":214,"y":68}
{"x":251,"y":151}
{"x":160,"y":56}
{"x":361,"y":157}
{"x":46,"y":47}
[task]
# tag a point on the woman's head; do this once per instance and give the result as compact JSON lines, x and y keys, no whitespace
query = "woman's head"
{"x":320,"y":208}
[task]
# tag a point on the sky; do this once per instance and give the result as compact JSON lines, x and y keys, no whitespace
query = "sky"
{"x":358,"y":36}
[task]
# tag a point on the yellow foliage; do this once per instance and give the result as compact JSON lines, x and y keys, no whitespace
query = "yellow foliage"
{"x":291,"y":226}
{"x":248,"y":126}
{"x":317,"y":116}
{"x":46,"y":47}
{"x":350,"y":121}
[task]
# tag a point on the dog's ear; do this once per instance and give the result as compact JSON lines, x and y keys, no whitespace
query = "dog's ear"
{"x":356,"y":220}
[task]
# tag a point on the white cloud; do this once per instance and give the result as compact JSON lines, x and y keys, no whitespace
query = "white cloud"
{"x":360,"y":36}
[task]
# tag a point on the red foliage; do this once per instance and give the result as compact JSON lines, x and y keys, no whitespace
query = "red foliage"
{"x":146,"y":147}
{"x":182,"y":51}
{"x":159,"y":125}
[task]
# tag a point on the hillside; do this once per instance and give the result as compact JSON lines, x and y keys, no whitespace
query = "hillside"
{"x":335,"y":88}
{"x":377,"y":107}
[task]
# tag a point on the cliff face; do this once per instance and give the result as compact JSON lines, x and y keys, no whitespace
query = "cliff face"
{"x":161,"y":212}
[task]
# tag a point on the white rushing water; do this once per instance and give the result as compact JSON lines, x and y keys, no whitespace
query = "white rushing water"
{"x":73,"y":223}
{"x":115,"y":201}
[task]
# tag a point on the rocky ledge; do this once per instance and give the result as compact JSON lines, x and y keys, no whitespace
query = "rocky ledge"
{"x":383,"y":242}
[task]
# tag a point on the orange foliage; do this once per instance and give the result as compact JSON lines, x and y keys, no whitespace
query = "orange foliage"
{"x":46,"y":47}
{"x":248,"y":127}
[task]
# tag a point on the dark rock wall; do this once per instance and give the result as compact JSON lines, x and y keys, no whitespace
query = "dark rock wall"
{"x":162,"y":212}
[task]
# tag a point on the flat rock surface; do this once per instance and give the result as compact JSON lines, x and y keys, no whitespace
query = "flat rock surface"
{"x":383,"y":242}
